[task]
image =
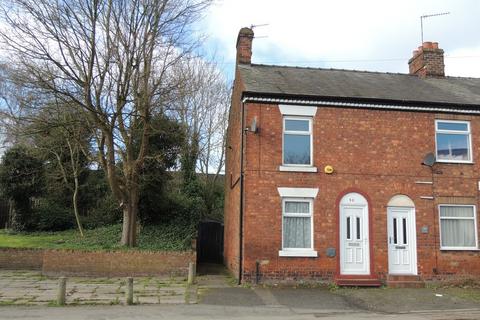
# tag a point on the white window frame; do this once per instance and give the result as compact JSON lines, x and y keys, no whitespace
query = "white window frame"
{"x":299,"y":133}
{"x":299,"y":195}
{"x":458,"y":218}
{"x":298,"y":252}
{"x":468,"y":133}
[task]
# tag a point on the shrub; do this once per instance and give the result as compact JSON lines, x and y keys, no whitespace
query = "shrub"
{"x":50,"y":215}
{"x":105,"y":213}
{"x":172,"y":236}
{"x":21,"y":178}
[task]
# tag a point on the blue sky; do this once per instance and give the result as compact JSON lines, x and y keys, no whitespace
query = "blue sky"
{"x":363,"y":35}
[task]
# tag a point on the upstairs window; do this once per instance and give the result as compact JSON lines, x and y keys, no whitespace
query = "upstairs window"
{"x":453,"y":141}
{"x":297,"y":141}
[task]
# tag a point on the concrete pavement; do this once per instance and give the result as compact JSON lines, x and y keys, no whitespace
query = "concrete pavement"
{"x":19,"y":287}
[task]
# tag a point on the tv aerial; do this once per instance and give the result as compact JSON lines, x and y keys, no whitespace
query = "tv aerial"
{"x":253,"y":26}
{"x":429,"y":16}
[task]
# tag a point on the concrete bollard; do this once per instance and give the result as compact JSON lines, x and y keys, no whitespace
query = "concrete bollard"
{"x":191,"y":273}
{"x":62,"y":291}
{"x":129,"y":291}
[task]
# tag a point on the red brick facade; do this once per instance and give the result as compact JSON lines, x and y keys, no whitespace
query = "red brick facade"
{"x":379,"y":154}
{"x":233,"y":182}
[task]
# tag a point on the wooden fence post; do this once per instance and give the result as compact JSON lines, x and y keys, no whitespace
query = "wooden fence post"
{"x":62,"y":291}
{"x":191,"y":273}
{"x":129,"y":291}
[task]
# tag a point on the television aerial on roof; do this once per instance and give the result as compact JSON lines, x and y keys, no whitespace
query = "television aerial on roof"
{"x":429,"y":16}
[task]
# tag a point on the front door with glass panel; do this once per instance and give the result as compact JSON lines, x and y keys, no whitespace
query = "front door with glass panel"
{"x":354,"y":240}
{"x":402,"y":248}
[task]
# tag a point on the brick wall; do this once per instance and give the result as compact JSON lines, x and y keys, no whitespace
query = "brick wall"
{"x":26,"y":259}
{"x":117,"y":263}
{"x":98,"y":263}
{"x":232,"y":183}
{"x":377,"y":152}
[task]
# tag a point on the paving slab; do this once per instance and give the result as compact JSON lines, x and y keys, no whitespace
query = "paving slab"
{"x":18,"y":287}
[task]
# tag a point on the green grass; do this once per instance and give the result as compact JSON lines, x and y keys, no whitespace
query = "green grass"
{"x":153,"y":238}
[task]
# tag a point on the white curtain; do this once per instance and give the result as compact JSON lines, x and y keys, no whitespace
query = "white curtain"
{"x":457,"y":232}
{"x":297,"y":207}
{"x":296,"y":232}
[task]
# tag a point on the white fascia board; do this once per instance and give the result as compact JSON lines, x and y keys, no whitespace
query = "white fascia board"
{"x":361,"y":105}
{"x":298,"y":192}
{"x":296,"y":110}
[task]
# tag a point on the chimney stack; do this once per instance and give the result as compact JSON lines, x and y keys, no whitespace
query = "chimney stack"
{"x":244,"y":46}
{"x":427,"y":61}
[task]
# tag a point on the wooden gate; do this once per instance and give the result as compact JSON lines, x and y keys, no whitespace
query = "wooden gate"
{"x":210,"y":242}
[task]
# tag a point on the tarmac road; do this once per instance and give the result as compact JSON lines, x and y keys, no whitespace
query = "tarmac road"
{"x":212,"y":312}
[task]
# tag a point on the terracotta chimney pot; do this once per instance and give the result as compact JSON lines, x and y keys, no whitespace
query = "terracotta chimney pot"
{"x":428,"y":45}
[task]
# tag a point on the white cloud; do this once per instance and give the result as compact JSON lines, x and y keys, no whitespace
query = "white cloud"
{"x":370,"y":34}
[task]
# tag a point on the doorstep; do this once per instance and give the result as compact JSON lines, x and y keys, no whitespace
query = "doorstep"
{"x":357,"y":281}
{"x":405,"y":281}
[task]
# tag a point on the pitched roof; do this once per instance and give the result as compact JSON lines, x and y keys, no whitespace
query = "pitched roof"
{"x":349,"y":84}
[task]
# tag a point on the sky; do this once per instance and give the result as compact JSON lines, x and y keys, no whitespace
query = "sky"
{"x":368,"y":35}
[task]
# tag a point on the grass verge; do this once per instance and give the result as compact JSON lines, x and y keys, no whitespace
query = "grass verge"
{"x":152,"y":238}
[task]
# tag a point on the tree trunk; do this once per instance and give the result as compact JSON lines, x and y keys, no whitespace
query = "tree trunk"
{"x":130,"y":211}
{"x":75,"y":207}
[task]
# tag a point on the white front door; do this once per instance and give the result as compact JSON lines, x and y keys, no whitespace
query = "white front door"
{"x":402,"y":244}
{"x":354,"y":237}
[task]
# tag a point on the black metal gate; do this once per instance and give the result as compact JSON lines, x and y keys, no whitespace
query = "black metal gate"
{"x":210,"y":242}
{"x":4,"y":213}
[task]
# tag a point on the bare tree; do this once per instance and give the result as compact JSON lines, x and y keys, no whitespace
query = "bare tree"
{"x":54,"y":129}
{"x":202,"y":106}
{"x":63,"y":139}
{"x":112,"y":59}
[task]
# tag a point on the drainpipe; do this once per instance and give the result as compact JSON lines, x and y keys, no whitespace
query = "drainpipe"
{"x":240,"y":263}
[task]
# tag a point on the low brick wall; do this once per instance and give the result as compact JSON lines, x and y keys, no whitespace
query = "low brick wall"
{"x":98,"y":263}
{"x":26,"y":259}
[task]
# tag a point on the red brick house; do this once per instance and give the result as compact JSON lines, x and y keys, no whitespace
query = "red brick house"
{"x":351,"y":176}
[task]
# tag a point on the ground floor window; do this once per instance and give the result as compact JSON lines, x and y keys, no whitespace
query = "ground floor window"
{"x":458,"y":227}
{"x":297,"y":224}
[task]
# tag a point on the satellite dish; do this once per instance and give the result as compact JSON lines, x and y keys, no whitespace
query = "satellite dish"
{"x":253,"y":126}
{"x":429,"y":159}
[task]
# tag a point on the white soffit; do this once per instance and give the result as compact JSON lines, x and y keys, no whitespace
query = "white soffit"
{"x":296,"y":110}
{"x":298,"y":192}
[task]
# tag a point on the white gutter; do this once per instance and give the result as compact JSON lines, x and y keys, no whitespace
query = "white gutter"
{"x":358,"y":105}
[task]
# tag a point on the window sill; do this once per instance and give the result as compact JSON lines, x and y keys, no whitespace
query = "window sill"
{"x":454,"y":162}
{"x":298,"y":253}
{"x":459,"y":249}
{"x":297,"y":169}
